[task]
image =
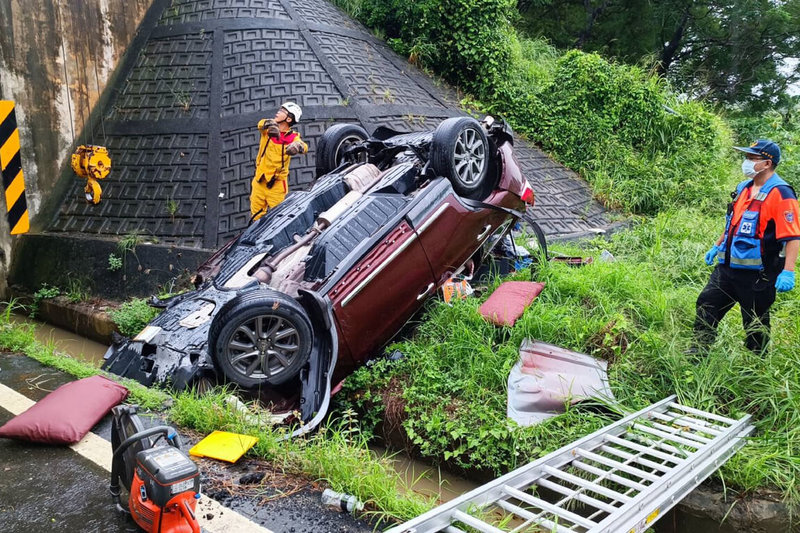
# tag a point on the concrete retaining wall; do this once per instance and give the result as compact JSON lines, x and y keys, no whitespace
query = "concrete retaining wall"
{"x":56,"y":59}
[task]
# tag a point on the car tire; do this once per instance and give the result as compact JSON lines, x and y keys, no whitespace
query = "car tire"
{"x":333,"y":143}
{"x":261,"y":338}
{"x":460,"y":153}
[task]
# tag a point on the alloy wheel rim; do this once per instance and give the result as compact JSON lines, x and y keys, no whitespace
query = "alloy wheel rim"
{"x":344,"y":144}
{"x":469,"y":156}
{"x":263,"y":346}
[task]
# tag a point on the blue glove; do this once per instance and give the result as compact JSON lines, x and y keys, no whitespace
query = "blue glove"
{"x":785,"y":281}
{"x":711,"y":254}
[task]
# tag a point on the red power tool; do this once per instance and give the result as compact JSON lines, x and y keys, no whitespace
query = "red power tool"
{"x":163,"y":484}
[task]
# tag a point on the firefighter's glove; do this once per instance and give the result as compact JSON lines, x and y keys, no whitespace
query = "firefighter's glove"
{"x":295,"y":148}
{"x":271,"y":183}
{"x":711,"y":254}
{"x":270,"y":126}
{"x":785,"y":281}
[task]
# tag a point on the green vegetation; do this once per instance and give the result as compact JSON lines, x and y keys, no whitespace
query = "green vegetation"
{"x":610,"y":123}
{"x":645,"y":149}
{"x":77,"y":290}
{"x":133,"y":315}
{"x":114,"y":262}
{"x":466,"y":41}
{"x":17,"y":337}
{"x":640,"y":146}
{"x":45,"y":292}
{"x":449,"y":393}
{"x":338,"y":454}
{"x":783,"y":127}
{"x":729,"y":52}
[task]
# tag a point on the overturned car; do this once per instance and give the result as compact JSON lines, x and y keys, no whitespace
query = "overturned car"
{"x":324,"y":280}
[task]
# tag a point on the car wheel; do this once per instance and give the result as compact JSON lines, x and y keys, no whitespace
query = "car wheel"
{"x":261,"y":338}
{"x":460,"y":152}
{"x":333,"y":144}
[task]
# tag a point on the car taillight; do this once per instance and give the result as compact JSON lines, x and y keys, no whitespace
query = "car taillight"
{"x":527,"y":193}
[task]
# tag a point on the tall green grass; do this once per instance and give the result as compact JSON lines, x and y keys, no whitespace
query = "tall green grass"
{"x":637,"y":312}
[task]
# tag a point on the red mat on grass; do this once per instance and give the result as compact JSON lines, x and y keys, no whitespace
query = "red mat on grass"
{"x":509,"y":300}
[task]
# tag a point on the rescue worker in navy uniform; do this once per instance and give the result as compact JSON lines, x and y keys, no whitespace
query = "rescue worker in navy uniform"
{"x":756,"y":253}
{"x":275,"y":150}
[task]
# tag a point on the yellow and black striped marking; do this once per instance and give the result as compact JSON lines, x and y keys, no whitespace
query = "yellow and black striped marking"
{"x":11,"y":166}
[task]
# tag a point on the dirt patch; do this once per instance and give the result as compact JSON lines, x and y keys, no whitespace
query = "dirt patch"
{"x":280,"y":501}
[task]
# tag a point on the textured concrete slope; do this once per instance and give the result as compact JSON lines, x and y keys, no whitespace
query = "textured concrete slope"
{"x":181,"y":124}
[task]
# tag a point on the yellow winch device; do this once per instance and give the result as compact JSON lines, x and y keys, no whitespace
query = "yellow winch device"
{"x":93,"y":163}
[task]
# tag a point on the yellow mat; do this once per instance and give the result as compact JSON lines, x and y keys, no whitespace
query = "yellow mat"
{"x":224,"y":446}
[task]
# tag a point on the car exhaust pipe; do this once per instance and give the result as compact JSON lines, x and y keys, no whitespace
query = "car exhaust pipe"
{"x":325,"y":219}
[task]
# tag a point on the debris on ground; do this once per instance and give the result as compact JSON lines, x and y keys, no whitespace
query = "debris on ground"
{"x":456,"y":289}
{"x":346,"y":502}
{"x":546,"y":377}
{"x":507,"y":303}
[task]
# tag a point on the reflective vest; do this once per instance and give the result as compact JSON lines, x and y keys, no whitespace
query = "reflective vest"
{"x":745,"y":243}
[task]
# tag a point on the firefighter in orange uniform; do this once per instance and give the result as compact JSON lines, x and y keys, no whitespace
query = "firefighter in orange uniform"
{"x":278,"y":144}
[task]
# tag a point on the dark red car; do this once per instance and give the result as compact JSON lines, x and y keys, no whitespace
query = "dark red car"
{"x":323,"y":281}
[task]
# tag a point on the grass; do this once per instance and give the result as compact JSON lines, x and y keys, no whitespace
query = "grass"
{"x":637,"y":312}
{"x":338,"y":454}
{"x":449,"y":392}
{"x":17,"y":337}
{"x":132,"y":316}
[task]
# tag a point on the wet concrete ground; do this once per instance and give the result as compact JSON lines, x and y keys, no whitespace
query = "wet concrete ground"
{"x":51,"y":488}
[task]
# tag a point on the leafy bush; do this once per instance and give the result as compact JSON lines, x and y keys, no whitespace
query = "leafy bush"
{"x":114,"y":262}
{"x":612,"y":123}
{"x":132,"y":316}
{"x":45,"y":292}
{"x":781,"y":127}
{"x":468,"y":42}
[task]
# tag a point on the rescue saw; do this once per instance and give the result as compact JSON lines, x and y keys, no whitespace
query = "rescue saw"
{"x":163,"y":483}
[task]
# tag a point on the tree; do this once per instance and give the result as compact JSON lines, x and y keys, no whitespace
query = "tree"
{"x":729,"y":51}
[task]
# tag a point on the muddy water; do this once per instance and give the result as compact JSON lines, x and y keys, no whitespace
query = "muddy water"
{"x":65,"y":341}
{"x":427,"y":480}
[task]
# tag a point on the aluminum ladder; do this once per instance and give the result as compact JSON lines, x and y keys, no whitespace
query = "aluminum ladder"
{"x":620,"y":479}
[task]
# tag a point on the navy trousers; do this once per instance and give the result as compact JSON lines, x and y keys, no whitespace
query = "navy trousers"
{"x":753,"y":290}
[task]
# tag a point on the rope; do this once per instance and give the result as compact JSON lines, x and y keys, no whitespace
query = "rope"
{"x":66,"y":76}
{"x":97,"y":84}
{"x":102,"y":119}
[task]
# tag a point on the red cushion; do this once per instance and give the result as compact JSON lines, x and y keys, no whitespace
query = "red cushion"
{"x":508,"y":302}
{"x":67,"y":414}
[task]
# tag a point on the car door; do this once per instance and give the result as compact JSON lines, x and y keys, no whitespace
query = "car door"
{"x":449,"y":230}
{"x":378,"y":294}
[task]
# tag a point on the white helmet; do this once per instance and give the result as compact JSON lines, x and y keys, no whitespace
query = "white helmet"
{"x":294,"y":110}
